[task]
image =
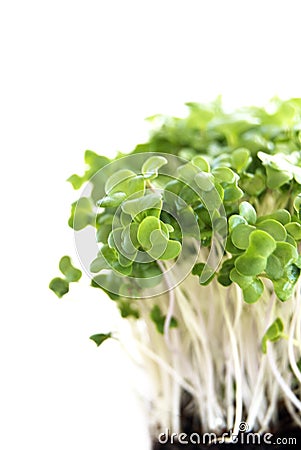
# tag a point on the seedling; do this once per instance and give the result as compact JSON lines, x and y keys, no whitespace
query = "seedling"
{"x":197,"y":235}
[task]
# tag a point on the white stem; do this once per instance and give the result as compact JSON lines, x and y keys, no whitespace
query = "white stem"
{"x":150,"y":354}
{"x":291,"y":352}
{"x":237,"y":370}
{"x":285,"y":388}
{"x":171,"y":305}
{"x":258,"y":392}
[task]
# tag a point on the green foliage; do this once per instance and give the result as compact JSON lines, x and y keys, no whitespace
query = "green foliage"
{"x":100,"y":338}
{"x":247,"y":211}
{"x":239,"y":178}
{"x":67,"y":269}
{"x":60,"y":286}
{"x":95,"y":163}
{"x":152,"y":165}
{"x":159,"y":319}
{"x":205,"y":273}
{"x":273,"y":334}
{"x":81,"y":214}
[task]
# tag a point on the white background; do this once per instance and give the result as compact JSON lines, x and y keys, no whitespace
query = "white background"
{"x":79,"y":75}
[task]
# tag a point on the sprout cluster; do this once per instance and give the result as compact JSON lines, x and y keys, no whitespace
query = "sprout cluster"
{"x":242,"y":169}
{"x":215,"y":195}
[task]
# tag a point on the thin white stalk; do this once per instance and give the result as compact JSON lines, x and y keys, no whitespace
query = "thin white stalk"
{"x":285,"y":388}
{"x":176,"y":389}
{"x":171,"y":306}
{"x":196,"y":334}
{"x":258,"y":392}
{"x":196,"y":323}
{"x":292,"y":412}
{"x":201,"y":326}
{"x":291,"y":352}
{"x":237,"y":370}
{"x":229,"y":395}
{"x":198,"y":357}
{"x":272,"y":400}
{"x":172,"y":372}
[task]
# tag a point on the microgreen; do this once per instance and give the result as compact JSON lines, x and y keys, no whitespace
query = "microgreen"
{"x":60,"y":286}
{"x":100,"y":338}
{"x":273,"y":333}
{"x":212,"y":199}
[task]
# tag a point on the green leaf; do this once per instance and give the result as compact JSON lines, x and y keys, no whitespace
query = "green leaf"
{"x":129,"y":241}
{"x":172,"y":250}
{"x":152,"y":165}
{"x":248,"y":212}
{"x":273,"y":333}
{"x":250,"y":265}
{"x":186,"y":173}
{"x":205,"y":273}
{"x":298,"y":262}
{"x":274,"y":228}
{"x":124,"y":261}
{"x":100,"y":338}
{"x":277,"y":178}
{"x":235,"y":220}
{"x":98,"y":264}
{"x":159,"y":319}
{"x":81,"y":214}
{"x":67,"y":269}
{"x":253,"y":291}
{"x":95,"y":161}
{"x":159,"y":242}
{"x":282,"y":216}
{"x":224,"y":175}
{"x":108,"y":259}
{"x":205,"y":181}
{"x":240,"y":235}
{"x":261,"y":243}
{"x":104,"y":219}
{"x":213,"y":199}
{"x":292,"y":273}
{"x":232,"y":193}
{"x":146,"y":227}
{"x":230,"y":247}
{"x":127,"y":182}
{"x":224,"y":273}
{"x":274,"y":268}
{"x":243,"y":281}
{"x":103,"y":232}
{"x":116,"y":181}
{"x":127,"y":310}
{"x":297,"y":204}
{"x":143,"y":204}
{"x":294,"y":229}
{"x":114,"y":239}
{"x":147,"y":275}
{"x":107,"y":283}
{"x":201,"y":163}
{"x":241,"y":159}
{"x":113,"y":200}
{"x":253,"y":184}
{"x":59,"y":286}
{"x":286,"y":253}
{"x":76,"y":181}
{"x":283,"y":289}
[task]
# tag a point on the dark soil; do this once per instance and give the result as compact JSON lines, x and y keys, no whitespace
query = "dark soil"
{"x":285,"y":436}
